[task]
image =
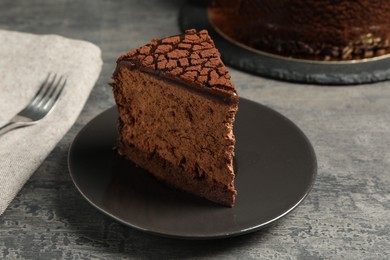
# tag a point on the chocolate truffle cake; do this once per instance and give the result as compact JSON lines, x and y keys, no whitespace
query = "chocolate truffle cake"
{"x":176,"y":108}
{"x":307,"y":29}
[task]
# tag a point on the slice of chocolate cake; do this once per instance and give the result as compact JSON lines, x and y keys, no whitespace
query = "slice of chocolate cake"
{"x":176,"y":108}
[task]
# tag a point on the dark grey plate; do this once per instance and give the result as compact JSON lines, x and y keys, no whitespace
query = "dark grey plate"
{"x":275,"y":165}
{"x":194,"y":15}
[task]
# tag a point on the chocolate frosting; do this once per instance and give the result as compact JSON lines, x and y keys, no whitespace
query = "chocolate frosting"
{"x":190,"y":59}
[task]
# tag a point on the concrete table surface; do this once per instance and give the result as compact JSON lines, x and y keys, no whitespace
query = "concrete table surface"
{"x":346,"y":216}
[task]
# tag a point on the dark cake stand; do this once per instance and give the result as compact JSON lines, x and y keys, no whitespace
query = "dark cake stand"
{"x":194,"y":15}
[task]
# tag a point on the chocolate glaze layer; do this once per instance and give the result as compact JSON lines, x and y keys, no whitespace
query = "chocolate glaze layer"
{"x":190,"y":59}
{"x":208,"y":92}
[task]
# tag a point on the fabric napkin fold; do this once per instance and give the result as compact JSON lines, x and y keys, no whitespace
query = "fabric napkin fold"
{"x":25,"y":61}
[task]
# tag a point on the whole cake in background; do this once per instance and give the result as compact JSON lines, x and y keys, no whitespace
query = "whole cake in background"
{"x":307,"y":29}
{"x":176,"y":107}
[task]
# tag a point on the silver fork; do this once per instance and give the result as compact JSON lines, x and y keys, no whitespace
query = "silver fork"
{"x":40,"y":106}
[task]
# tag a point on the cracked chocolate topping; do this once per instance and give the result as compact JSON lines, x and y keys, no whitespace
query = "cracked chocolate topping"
{"x":190,"y":58}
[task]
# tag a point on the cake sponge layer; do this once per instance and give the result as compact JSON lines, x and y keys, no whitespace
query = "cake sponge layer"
{"x":181,"y":135}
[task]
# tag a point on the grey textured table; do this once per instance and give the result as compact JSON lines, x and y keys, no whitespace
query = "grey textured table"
{"x":346,"y":216}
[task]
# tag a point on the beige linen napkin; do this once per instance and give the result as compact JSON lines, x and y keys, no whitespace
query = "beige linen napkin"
{"x":25,"y":61}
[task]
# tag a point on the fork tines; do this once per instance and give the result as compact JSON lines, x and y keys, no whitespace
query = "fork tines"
{"x":49,"y":92}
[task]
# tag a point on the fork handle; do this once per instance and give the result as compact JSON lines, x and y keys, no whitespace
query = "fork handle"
{"x":10,"y":126}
